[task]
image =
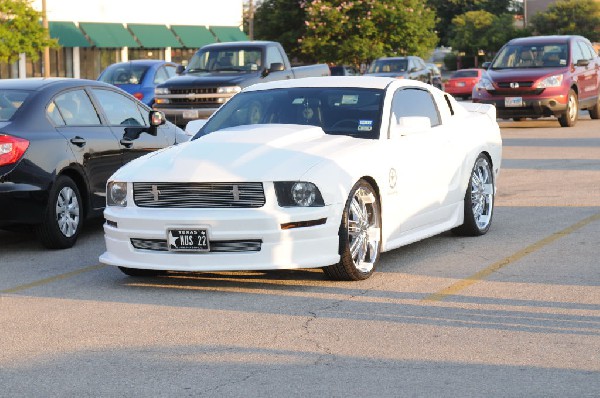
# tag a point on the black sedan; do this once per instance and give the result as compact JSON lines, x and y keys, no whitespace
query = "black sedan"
{"x":60,"y":140}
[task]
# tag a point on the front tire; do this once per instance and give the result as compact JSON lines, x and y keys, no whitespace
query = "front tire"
{"x":569,"y":118}
{"x":360,"y":235}
{"x":63,"y":217}
{"x":479,"y":200}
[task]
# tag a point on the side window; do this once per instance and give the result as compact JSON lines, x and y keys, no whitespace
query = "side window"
{"x":74,"y":108}
{"x":120,"y":110}
{"x":171,"y":70}
{"x":585,"y":50}
{"x":161,"y":75}
{"x":414,"y":102}
{"x":273,"y":56}
{"x":576,"y":53}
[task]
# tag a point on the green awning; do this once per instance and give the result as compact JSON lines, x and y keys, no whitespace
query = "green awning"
{"x":154,"y":36}
{"x":108,"y":35}
{"x":68,"y":34}
{"x":193,"y":36}
{"x":228,"y":33}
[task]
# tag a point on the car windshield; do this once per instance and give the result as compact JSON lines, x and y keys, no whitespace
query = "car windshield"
{"x":463,"y":73}
{"x":531,"y":56}
{"x":226,"y":60}
{"x":124,"y":74}
{"x":389,"y":66}
{"x":10,"y":101}
{"x":343,"y":111}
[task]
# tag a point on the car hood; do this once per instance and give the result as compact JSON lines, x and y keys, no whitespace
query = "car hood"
{"x":514,"y":74}
{"x":208,"y":79}
{"x":243,"y":153}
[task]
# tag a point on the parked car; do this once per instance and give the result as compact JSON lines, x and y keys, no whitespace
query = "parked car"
{"x":411,"y":67}
{"x":540,"y":76}
{"x":436,"y":76}
{"x":309,"y":173}
{"x":343,"y":70}
{"x":461,"y":82}
{"x":60,"y":140}
{"x":139,"y":77}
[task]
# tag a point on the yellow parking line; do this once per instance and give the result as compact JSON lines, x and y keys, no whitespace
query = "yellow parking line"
{"x":479,"y":276}
{"x":53,"y":278}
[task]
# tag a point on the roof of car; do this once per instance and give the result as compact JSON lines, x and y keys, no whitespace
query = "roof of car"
{"x":377,"y":82}
{"x":142,"y":62}
{"x":544,"y":39}
{"x":38,"y":83}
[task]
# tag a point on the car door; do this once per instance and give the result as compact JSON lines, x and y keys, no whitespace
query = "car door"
{"x":418,"y":160}
{"x":124,"y":115}
{"x":582,"y":74}
{"x":589,"y":73}
{"x":95,"y":147}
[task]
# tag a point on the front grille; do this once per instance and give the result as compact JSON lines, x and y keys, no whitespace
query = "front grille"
{"x":223,"y":246}
{"x":195,"y":101}
{"x":193,"y":90}
{"x":521,"y":84}
{"x":199,"y":195}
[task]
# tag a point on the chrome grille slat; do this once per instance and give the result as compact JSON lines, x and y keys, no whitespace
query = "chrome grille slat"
{"x":223,"y":246}
{"x":198,"y":195}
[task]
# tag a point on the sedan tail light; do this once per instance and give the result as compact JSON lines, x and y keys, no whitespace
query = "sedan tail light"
{"x":11,"y":149}
{"x":138,"y":96}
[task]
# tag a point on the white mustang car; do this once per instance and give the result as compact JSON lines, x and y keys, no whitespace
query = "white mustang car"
{"x":319,"y":172}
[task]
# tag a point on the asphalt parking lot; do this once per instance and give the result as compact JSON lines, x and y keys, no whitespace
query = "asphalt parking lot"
{"x":513,"y":313}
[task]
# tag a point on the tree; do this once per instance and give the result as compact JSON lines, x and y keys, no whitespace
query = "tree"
{"x":569,"y":17}
{"x":282,"y":21}
{"x":447,"y":10}
{"x":358,"y":31}
{"x":21,"y":31}
{"x":481,"y":30}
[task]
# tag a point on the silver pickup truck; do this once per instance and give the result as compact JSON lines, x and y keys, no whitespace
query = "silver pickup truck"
{"x":218,"y":71}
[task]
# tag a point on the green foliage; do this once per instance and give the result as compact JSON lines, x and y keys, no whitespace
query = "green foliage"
{"x":21,"y":31}
{"x":358,"y":31}
{"x":447,"y":10}
{"x":481,"y":30}
{"x":282,"y":21}
{"x":569,"y":17}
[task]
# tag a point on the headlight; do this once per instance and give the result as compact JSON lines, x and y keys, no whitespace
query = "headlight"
{"x":116,"y":194}
{"x":229,"y":90}
{"x":484,"y":84}
{"x":298,"y":193}
{"x":551,"y":81}
{"x":161,"y":91}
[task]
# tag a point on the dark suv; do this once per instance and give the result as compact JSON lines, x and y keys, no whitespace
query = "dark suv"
{"x":540,"y":76}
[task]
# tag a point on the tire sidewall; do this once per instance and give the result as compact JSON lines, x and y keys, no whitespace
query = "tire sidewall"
{"x":470,"y":223}
{"x":50,"y":232}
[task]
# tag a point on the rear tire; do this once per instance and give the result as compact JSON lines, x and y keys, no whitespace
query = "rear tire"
{"x":569,"y":118}
{"x":479,"y":200}
{"x":63,"y":217}
{"x":360,"y":235}
{"x":595,"y":110}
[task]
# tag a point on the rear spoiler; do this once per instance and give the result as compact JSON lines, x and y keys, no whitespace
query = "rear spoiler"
{"x":486,"y":109}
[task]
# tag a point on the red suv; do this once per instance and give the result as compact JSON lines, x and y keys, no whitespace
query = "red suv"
{"x":543,"y":76}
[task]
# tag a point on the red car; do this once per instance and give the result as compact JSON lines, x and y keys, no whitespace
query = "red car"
{"x":461,"y":82}
{"x":542,"y":76}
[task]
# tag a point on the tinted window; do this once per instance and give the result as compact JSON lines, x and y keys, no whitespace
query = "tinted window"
{"x":531,"y":56}
{"x":161,"y":75}
{"x":389,"y":65}
{"x":10,"y":101}
{"x":120,"y":110}
{"x":75,"y":109}
{"x":344,"y":111}
{"x":227,"y":60}
{"x":171,"y":70}
{"x":414,"y":102}
{"x":124,"y":74}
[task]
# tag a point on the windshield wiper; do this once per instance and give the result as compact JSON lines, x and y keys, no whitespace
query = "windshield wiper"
{"x":228,"y":69}
{"x":197,"y":70}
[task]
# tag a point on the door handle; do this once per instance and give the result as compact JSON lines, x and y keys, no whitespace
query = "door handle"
{"x":126,"y":142}
{"x":78,"y":141}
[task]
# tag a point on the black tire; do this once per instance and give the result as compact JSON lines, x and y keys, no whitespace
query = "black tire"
{"x":479,"y":200}
{"x":569,"y":118}
{"x":517,"y":119}
{"x":360,"y":230}
{"x":63,"y":217}
{"x":595,"y":110}
{"x":141,"y":272}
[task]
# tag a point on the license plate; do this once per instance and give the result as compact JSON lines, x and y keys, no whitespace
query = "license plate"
{"x":184,"y":239}
{"x":460,"y":84}
{"x":513,"y":101}
{"x":193,"y":114}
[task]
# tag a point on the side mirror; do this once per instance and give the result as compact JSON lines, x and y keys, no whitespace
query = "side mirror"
{"x":276,"y":67}
{"x":157,"y":118}
{"x":583,"y":62}
{"x":179,"y":70}
{"x":408,"y":125}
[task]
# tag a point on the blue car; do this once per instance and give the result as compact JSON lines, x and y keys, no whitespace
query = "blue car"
{"x":139,"y":77}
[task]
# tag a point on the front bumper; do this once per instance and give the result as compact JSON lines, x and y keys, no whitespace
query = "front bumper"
{"x":182,"y":116}
{"x":305,"y":247}
{"x":532,"y":106}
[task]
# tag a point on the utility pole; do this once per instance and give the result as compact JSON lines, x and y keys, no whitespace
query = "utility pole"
{"x":251,"y":19}
{"x":46,"y":49}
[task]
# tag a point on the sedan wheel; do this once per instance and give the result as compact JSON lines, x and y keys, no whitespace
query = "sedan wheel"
{"x":360,"y":235}
{"x":62,"y":221}
{"x":479,"y":200}
{"x":569,"y":118}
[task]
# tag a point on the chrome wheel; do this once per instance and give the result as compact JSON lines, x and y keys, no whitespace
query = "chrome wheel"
{"x":572,"y":109}
{"x":364,"y":229}
{"x":482,"y":193}
{"x":67,"y":212}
